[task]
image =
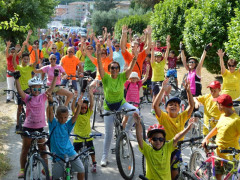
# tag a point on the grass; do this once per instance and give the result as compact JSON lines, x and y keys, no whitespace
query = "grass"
{"x":4,"y":165}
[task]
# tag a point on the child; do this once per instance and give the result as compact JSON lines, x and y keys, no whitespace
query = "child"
{"x":60,"y":129}
{"x":210,"y":107}
{"x":35,"y":118}
{"x":172,"y":120}
{"x":158,"y":154}
{"x":26,"y":74}
{"x":83,"y":127}
{"x":227,"y":132}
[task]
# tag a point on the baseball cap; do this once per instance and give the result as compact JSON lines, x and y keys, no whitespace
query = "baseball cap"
{"x":175,"y":99}
{"x":225,"y":100}
{"x":214,"y":85}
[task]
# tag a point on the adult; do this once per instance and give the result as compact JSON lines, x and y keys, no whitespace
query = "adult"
{"x":49,"y":70}
{"x":118,"y":57}
{"x":54,"y":51}
{"x":159,"y":48}
{"x":194,"y":69}
{"x":135,"y":46}
{"x":113,"y":85}
{"x":70,"y":63}
{"x":10,"y":68}
{"x":231,"y":76}
{"x":59,"y":45}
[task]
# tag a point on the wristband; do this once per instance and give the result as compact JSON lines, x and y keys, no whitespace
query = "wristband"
{"x":207,"y":47}
{"x":134,"y":58}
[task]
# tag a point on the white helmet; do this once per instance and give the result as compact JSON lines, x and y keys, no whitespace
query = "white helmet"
{"x":35,"y":81}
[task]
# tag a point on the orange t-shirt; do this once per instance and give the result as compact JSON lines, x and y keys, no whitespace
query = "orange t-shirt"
{"x":128,"y":45}
{"x":70,"y":65}
{"x":138,"y":66}
{"x":33,"y":56}
{"x":105,"y":62}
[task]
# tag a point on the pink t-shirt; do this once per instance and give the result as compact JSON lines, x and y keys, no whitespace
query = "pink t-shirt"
{"x":133,"y":91}
{"x":50,"y":73}
{"x":35,"y":111}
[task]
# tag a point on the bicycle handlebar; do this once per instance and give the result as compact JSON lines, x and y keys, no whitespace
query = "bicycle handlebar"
{"x":142,"y":177}
{"x":15,"y":92}
{"x":191,"y":140}
{"x":231,"y":150}
{"x":85,"y":138}
{"x":198,"y":114}
{"x":117,"y":112}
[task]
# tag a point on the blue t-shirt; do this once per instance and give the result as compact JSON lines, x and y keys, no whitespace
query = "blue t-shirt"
{"x":57,"y":54}
{"x":108,"y":51}
{"x":60,"y":142}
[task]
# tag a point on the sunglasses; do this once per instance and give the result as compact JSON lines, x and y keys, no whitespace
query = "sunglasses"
{"x":158,"y":139}
{"x":53,"y":58}
{"x":104,"y":53}
{"x":90,"y":49}
{"x":70,"y":51}
{"x":231,"y":65}
{"x":114,"y":67}
{"x":117,"y":46}
{"x":37,"y":89}
{"x":54,"y":48}
{"x":36,"y":44}
{"x":191,"y":62}
{"x":83,"y":107}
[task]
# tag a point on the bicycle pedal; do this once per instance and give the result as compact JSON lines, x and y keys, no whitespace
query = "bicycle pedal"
{"x":113,"y":151}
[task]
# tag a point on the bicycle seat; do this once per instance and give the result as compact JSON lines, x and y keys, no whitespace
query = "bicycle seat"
{"x":212,"y":147}
{"x":198,"y":114}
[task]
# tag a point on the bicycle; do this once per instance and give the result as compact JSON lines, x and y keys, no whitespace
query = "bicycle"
{"x":22,"y":115}
{"x":147,"y":94}
{"x":85,"y":156}
{"x":204,"y":168}
{"x":123,"y":149}
{"x":35,"y":168}
{"x":68,"y":174}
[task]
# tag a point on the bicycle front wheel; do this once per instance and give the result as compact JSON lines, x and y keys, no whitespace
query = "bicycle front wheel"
{"x":85,"y":165}
{"x":187,"y":175}
{"x":125,"y":156}
{"x":144,"y":138}
{"x":36,"y":169}
{"x":21,"y":120}
{"x":94,"y":112}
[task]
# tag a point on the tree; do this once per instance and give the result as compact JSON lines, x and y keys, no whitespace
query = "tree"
{"x":145,"y":4}
{"x":104,"y":19}
{"x":136,"y":22}
{"x":205,"y":23}
{"x":169,"y":19}
{"x":104,"y":5}
{"x":17,"y":16}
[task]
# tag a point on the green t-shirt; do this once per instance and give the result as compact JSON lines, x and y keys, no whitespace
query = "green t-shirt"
{"x":158,"y":162}
{"x":114,"y":89}
{"x":82,"y":126}
{"x":45,"y":54}
{"x":88,"y":65}
{"x":26,"y":74}
{"x":158,"y":71}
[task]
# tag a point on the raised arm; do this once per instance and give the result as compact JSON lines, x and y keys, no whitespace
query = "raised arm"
{"x":53,"y":84}
{"x":89,"y":55}
{"x":109,"y":44}
{"x":180,"y":135}
{"x":149,"y":39}
{"x":50,"y":114}
{"x":158,"y":99}
{"x":83,"y":48}
{"x":199,"y":67}
{"x":138,"y":127}
{"x":130,"y":35}
{"x":36,"y":55}
{"x":168,"y":47}
{"x":22,"y":49}
{"x":14,"y":60}
{"x":91,"y":99}
{"x":221,"y":54}
{"x":18,"y":86}
{"x":190,"y":97}
{"x":28,"y":36}
{"x":123,"y":40}
{"x":99,"y":61}
{"x":74,"y":102}
{"x":48,"y":46}
{"x":76,"y":113}
{"x":7,"y":48}
{"x":183,"y":57}
{"x":146,"y":75}
{"x":152,"y":53}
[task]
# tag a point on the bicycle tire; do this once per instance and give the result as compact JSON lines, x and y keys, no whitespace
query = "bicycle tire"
{"x":126,"y":170}
{"x":39,"y":165}
{"x":148,"y":95}
{"x":188,"y":175}
{"x":85,"y":165}
{"x":21,"y":120}
{"x":94,"y":113}
{"x":144,"y":138}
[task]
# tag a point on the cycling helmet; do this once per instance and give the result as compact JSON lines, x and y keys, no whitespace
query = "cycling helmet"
{"x":194,"y":58}
{"x":35,"y":81}
{"x":85,"y":100}
{"x":157,"y":53}
{"x":155,"y":128}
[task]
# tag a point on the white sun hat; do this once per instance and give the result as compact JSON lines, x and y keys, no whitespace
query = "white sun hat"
{"x":134,"y":75}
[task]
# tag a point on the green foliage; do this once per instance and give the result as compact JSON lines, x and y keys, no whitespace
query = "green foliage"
{"x":104,"y":5}
{"x":136,"y":22}
{"x":71,"y":22}
{"x":205,"y":23}
{"x":17,"y":16}
{"x":169,"y":19}
{"x":232,"y":46}
{"x":104,"y":19}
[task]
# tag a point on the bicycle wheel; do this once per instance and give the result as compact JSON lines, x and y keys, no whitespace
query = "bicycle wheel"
{"x":36,"y":169}
{"x":94,"y":112}
{"x":195,"y":165}
{"x":144,"y":138}
{"x":125,"y":156}
{"x":21,"y":120}
{"x":85,"y":165}
{"x":187,"y":175}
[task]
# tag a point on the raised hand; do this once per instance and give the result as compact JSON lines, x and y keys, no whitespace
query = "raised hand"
{"x":124,"y":29}
{"x":109,"y":43}
{"x":148,"y":68}
{"x":98,"y":48}
{"x":34,"y":47}
{"x":220,"y":53}
{"x":149,"y":29}
{"x":25,"y":43}
{"x":130,"y":31}
{"x":80,"y":101}
{"x":9,"y":43}
{"x":49,"y":96}
{"x":208,"y":46}
{"x":165,"y":84}
{"x":30,"y":32}
{"x":168,"y":38}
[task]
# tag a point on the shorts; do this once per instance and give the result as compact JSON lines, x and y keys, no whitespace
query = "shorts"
{"x":19,"y":99}
{"x":222,"y":168}
{"x":172,"y":72}
{"x":148,"y":82}
{"x":155,"y":87}
{"x":175,"y":157}
{"x":31,"y":130}
{"x":79,"y":145}
{"x":56,"y":89}
{"x":74,"y":83}
{"x":58,"y":167}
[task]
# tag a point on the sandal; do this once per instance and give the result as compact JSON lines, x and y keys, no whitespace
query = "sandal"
{"x":21,"y":173}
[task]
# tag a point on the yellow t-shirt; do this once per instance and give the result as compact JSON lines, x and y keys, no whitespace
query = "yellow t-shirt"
{"x":82,"y":126}
{"x":59,"y":45}
{"x":26,"y":75}
{"x":158,"y":162}
{"x":173,"y":126}
{"x":80,"y":56}
{"x":158,"y":70}
{"x":45,"y":54}
{"x":210,"y":111}
{"x":231,"y":83}
{"x":228,"y":133}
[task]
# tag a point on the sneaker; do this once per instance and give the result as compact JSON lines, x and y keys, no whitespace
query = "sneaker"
{"x":153,"y":112}
{"x":104,"y":162}
{"x":8,"y":100}
{"x":131,"y":137}
{"x":94,"y":168}
{"x":21,"y":173}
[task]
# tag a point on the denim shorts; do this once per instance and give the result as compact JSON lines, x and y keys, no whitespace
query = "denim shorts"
{"x":155,"y":87}
{"x":74,"y":83}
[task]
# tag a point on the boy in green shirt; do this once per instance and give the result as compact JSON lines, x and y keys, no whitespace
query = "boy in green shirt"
{"x":158,"y":153}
